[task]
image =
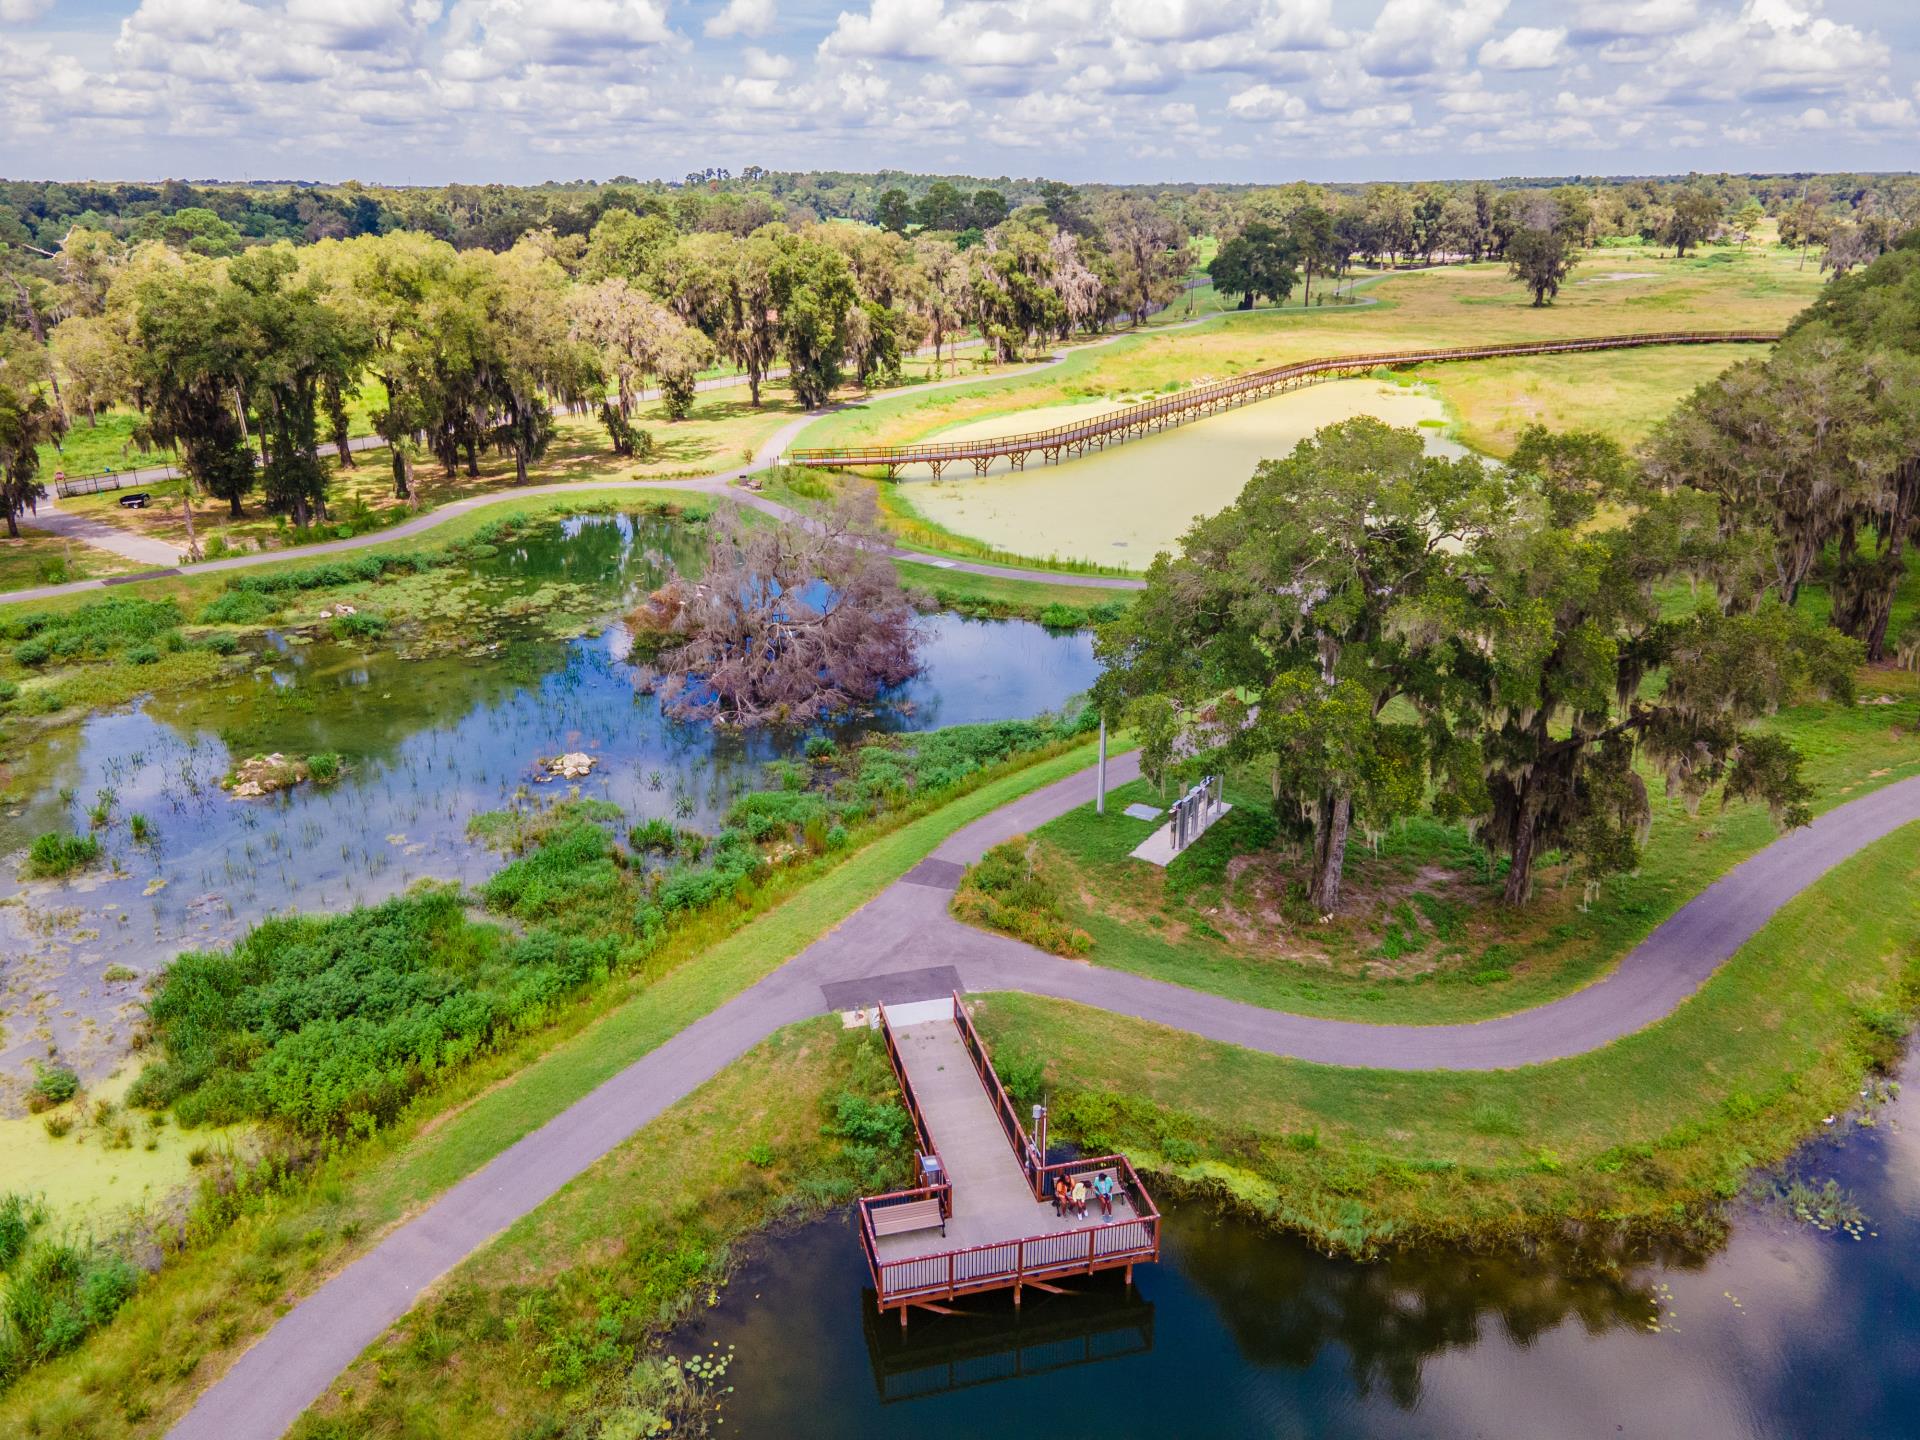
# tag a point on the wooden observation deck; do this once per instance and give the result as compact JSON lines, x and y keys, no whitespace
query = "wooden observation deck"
{"x":1203,"y":400}
{"x":985,"y":1183}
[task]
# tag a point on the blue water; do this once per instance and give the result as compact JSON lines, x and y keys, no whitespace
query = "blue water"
{"x":430,"y":739}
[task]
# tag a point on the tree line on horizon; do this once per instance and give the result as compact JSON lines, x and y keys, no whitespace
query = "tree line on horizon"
{"x":247,"y":364}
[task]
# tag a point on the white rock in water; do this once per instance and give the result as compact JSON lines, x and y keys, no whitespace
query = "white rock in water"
{"x":572,"y":765}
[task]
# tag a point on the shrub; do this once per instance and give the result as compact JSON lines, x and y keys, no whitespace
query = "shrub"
{"x":1010,"y":890}
{"x":330,"y":1023}
{"x":53,"y":854}
{"x":140,"y":827}
{"x":238,"y":607}
{"x":1062,"y":617}
{"x":144,"y":655}
{"x":54,"y":1295}
{"x":220,"y":643}
{"x":52,"y":1085}
{"x":19,"y":1215}
{"x":91,"y":631}
{"x":865,"y":1121}
{"x":325,"y":767}
{"x":361,"y":625}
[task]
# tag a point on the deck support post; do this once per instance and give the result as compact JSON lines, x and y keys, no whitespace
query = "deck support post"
{"x":1016,"y":1294}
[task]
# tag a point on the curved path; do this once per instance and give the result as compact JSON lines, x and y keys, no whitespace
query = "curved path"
{"x":907,"y":926}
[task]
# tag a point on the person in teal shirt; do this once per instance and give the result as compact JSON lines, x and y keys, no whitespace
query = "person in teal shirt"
{"x":1103,"y":1187}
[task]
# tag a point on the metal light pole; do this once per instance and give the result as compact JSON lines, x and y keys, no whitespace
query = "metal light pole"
{"x":1100,"y":798}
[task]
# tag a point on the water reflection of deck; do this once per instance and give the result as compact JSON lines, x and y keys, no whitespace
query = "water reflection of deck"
{"x":961,"y":1352}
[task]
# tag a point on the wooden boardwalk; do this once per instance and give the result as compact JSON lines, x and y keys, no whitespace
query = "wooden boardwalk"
{"x":1200,"y":401}
{"x":998,"y":1233}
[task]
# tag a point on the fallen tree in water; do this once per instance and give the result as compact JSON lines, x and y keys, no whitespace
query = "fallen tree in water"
{"x":791,"y":623}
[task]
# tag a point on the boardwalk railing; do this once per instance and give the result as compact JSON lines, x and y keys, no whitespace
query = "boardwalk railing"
{"x":1206,"y":399}
{"x":1006,"y":1263}
{"x":923,"y":1136}
{"x":947,"y":1274}
{"x":1004,"y":1109}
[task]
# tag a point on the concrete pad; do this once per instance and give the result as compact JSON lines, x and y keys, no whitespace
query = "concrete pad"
{"x":1143,"y":812}
{"x":1157,"y":848}
{"x":896,"y":987}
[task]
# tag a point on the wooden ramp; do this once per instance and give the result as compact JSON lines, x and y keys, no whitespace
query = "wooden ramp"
{"x":988,"y":1177}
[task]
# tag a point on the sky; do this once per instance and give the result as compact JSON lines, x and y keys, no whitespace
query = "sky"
{"x":431,"y":91}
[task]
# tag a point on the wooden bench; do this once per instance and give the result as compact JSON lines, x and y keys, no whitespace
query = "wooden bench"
{"x":1087,"y":1177}
{"x":909,"y":1215}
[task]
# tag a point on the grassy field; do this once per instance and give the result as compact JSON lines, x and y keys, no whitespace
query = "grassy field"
{"x":208,"y":1303}
{"x":1649,"y":1131}
{"x":990,"y":597}
{"x":41,"y":558}
{"x":1755,"y":288}
{"x":1422,"y":937}
{"x":1623,"y":393}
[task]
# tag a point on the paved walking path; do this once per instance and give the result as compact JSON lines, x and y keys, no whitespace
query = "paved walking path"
{"x":101,"y":535}
{"x":907,"y":926}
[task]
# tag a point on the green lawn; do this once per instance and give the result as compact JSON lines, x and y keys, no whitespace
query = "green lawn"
{"x":1649,"y":1131}
{"x":1422,"y":938}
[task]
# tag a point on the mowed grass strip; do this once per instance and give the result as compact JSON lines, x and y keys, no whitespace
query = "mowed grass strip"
{"x":547,"y":1318}
{"x":1650,"y":1130}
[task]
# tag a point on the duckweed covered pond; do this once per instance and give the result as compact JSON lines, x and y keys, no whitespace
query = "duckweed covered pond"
{"x":433,"y":723}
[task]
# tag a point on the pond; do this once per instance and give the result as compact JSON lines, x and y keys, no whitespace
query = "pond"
{"x":1786,"y":1332}
{"x":1121,"y":505}
{"x":430,"y":739}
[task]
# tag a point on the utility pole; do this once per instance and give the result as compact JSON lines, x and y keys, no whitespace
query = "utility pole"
{"x":1100,"y":795}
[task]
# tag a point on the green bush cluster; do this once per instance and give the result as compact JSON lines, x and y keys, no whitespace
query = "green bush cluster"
{"x":330,"y":1023}
{"x":92,"y":631}
{"x":52,"y":855}
{"x":52,"y":1085}
{"x":53,"y":1291}
{"x":361,"y":625}
{"x":238,"y":607}
{"x":353,"y":570}
{"x":1009,"y":889}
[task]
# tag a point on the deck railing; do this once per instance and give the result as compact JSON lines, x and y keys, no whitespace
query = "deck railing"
{"x":1004,"y":1109}
{"x":923,"y":1135}
{"x":953,"y":1273}
{"x":1224,"y":391}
